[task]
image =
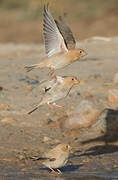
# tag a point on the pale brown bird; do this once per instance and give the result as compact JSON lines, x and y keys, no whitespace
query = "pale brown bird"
{"x":56,"y":157}
{"x":59,"y":87}
{"x":59,"y":44}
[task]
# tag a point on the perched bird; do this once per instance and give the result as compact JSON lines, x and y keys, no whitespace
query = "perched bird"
{"x":59,"y":44}
{"x":56,"y":157}
{"x":58,"y":88}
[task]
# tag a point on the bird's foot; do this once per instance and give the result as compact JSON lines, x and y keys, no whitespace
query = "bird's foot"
{"x":52,"y":73}
{"x":55,"y":172}
{"x":59,"y":172}
{"x":61,"y":107}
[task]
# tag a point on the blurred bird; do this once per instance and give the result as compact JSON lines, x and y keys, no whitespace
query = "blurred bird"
{"x":56,"y":157}
{"x":58,"y":88}
{"x":59,"y":44}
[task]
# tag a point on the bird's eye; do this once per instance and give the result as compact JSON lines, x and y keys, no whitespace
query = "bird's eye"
{"x":80,"y":51}
{"x":72,"y":79}
{"x":66,"y":146}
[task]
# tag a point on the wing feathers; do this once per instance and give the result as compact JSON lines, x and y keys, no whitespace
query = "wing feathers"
{"x":66,"y":32}
{"x":54,"y":42}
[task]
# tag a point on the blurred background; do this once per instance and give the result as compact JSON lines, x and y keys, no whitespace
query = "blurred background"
{"x":21,"y":20}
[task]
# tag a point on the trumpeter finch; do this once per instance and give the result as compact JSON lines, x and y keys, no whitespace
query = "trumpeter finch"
{"x":58,"y":88}
{"x":59,"y":44}
{"x":56,"y":157}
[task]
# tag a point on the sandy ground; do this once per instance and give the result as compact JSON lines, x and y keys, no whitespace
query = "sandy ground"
{"x":22,"y":135}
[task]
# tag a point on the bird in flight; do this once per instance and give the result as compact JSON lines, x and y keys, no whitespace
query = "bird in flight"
{"x":58,"y":88}
{"x":59,"y":44}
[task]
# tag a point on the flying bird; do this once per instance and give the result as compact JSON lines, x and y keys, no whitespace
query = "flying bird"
{"x":58,"y":88}
{"x":59,"y":44}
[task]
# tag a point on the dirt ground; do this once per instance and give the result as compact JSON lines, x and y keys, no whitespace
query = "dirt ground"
{"x":23,"y":135}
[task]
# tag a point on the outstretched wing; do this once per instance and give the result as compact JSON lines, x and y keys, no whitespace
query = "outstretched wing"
{"x":54,"y":42}
{"x":66,"y":32}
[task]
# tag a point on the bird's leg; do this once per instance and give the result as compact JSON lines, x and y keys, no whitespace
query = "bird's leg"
{"x":62,"y":108}
{"x":59,"y":172}
{"x":54,"y":104}
{"x":52,"y":108}
{"x":51,"y":73}
{"x":52,"y":170}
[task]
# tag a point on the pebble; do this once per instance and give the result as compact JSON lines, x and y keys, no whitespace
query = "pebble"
{"x":84,"y":116}
{"x":46,"y":139}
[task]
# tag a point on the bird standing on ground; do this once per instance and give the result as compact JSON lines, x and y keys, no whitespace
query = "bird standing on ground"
{"x":56,"y":157}
{"x":59,"y":44}
{"x":58,"y":89}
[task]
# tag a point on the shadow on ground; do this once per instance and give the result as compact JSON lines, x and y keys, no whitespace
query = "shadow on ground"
{"x":109,"y":118}
{"x":68,"y":168}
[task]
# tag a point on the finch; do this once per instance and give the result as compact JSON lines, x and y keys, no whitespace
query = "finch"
{"x":56,"y":157}
{"x":59,"y":44}
{"x":58,"y":88}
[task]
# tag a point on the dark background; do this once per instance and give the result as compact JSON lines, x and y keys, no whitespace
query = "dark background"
{"x":21,"y":20}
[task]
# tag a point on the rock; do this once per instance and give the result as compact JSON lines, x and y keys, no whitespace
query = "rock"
{"x":46,"y":139}
{"x":101,"y":123}
{"x":8,"y":120}
{"x":104,"y":130}
{"x":113,"y":95}
{"x":108,"y":124}
{"x":4,"y":107}
{"x":115,"y":79}
{"x":84,"y":116}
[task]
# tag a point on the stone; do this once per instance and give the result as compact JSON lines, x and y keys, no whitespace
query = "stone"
{"x":113,"y":95}
{"x":104,"y":130}
{"x":84,"y":116}
{"x":108,"y":124}
{"x":46,"y":139}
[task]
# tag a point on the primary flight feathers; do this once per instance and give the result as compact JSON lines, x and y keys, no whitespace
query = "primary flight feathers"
{"x":54,"y":42}
{"x":59,"y":44}
{"x":57,"y":34}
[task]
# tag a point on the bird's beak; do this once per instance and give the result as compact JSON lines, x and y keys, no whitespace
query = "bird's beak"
{"x":77,"y":82}
{"x":71,"y":150}
{"x":85,"y":53}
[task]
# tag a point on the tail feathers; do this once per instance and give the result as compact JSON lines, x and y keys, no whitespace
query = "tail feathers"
{"x":29,"y":68}
{"x":30,"y":112}
{"x":35,"y":158}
